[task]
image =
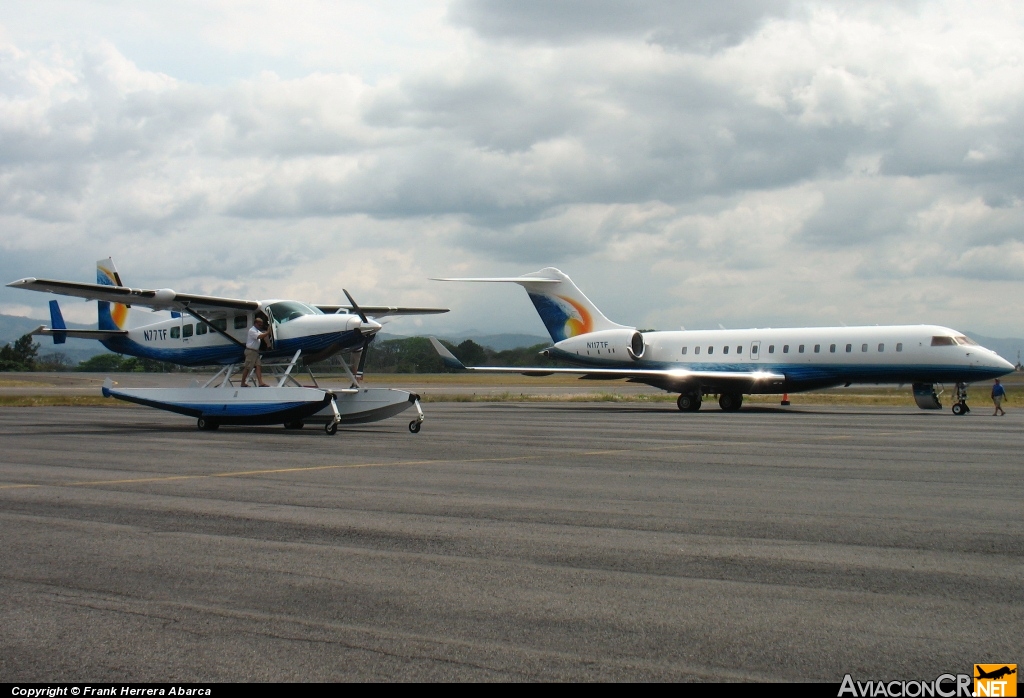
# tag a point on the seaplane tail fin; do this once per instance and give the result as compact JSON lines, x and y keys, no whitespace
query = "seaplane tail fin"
{"x":112,"y":316}
{"x":57,"y":324}
{"x":563,"y":308}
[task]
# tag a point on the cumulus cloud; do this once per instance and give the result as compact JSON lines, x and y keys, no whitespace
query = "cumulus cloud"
{"x":743,"y":162}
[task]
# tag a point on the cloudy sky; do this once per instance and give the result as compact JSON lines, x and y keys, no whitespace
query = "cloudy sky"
{"x":743,"y":163}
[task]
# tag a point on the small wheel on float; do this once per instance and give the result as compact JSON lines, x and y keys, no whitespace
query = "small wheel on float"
{"x":331,"y":428}
{"x":206,"y":424}
{"x":414,"y":426}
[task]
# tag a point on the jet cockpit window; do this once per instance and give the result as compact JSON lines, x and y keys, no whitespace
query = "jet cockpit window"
{"x":966,"y":341}
{"x":943,"y":342}
{"x":289,"y":310}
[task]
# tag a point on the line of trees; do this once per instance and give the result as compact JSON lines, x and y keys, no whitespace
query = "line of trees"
{"x":23,"y":355}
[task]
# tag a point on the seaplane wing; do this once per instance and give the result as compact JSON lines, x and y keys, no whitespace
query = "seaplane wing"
{"x":157,"y":299}
{"x":382,"y":310}
{"x":670,"y":379}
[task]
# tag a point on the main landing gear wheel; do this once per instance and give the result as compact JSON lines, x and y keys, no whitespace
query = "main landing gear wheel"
{"x":960,"y":409}
{"x":730,"y":402}
{"x":331,"y":428}
{"x":688,"y":402}
{"x":205,"y":424}
{"x":294,"y":425}
{"x":414,"y":426}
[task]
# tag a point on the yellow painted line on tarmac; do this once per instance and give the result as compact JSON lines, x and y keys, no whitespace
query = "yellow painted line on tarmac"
{"x":303,"y":469}
{"x":269,"y":471}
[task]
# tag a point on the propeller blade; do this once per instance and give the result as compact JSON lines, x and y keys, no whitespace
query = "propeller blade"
{"x":362,"y":359}
{"x":355,"y":306}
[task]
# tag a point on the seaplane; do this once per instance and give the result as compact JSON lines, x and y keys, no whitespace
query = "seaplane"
{"x":734,"y":363}
{"x":212,"y":330}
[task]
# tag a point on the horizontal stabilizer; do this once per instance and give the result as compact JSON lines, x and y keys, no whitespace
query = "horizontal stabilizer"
{"x":45,"y":331}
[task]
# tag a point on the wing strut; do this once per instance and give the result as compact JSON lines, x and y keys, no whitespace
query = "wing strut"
{"x":209,"y":324}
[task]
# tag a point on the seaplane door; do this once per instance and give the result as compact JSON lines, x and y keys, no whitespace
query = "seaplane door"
{"x":188,"y":329}
{"x":755,"y":351}
{"x":271,"y":325}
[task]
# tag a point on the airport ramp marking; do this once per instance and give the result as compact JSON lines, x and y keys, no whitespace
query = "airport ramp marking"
{"x":310,"y":468}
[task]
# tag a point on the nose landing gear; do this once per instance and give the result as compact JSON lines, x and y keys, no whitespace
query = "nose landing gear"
{"x":960,"y":406}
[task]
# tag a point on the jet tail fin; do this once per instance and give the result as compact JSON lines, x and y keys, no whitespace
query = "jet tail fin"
{"x":563,"y":308}
{"x":112,"y":316}
{"x":57,"y":324}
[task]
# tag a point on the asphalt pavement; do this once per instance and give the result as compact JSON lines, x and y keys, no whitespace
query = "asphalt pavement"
{"x":512,"y":541}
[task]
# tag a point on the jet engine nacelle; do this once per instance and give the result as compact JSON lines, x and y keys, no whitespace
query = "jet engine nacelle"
{"x":609,"y":344}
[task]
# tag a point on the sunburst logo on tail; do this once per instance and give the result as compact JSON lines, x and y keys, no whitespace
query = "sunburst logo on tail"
{"x":578,"y":322}
{"x":106,"y":274}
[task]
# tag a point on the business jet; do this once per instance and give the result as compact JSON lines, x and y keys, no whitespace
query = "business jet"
{"x":734,"y":363}
{"x":211,"y":330}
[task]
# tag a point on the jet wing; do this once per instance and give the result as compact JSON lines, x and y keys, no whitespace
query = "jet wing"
{"x":157,"y":299}
{"x":673,"y":379}
{"x":383,"y":310}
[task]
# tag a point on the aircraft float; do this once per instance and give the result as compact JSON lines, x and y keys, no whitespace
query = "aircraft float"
{"x":734,"y":363}
{"x":211,"y":331}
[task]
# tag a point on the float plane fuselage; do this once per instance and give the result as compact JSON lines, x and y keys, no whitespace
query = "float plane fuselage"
{"x":211,"y":330}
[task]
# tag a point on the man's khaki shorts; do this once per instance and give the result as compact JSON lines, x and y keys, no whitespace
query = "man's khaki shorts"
{"x":252,"y":359}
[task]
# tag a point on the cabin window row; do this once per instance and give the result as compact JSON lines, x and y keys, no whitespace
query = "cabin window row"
{"x":201,"y":328}
{"x":800,"y":349}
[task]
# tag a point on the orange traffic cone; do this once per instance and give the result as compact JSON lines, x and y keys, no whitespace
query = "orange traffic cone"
{"x":785,"y":399}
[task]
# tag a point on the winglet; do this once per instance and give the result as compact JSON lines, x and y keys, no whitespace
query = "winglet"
{"x":57,"y":323}
{"x":446,"y":356}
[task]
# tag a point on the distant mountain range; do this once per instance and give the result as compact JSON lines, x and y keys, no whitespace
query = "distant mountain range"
{"x":13,"y":326}
{"x":498,"y":342}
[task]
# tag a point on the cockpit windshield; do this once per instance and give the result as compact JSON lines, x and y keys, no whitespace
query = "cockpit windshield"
{"x":966,"y":341}
{"x":284,"y":311}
